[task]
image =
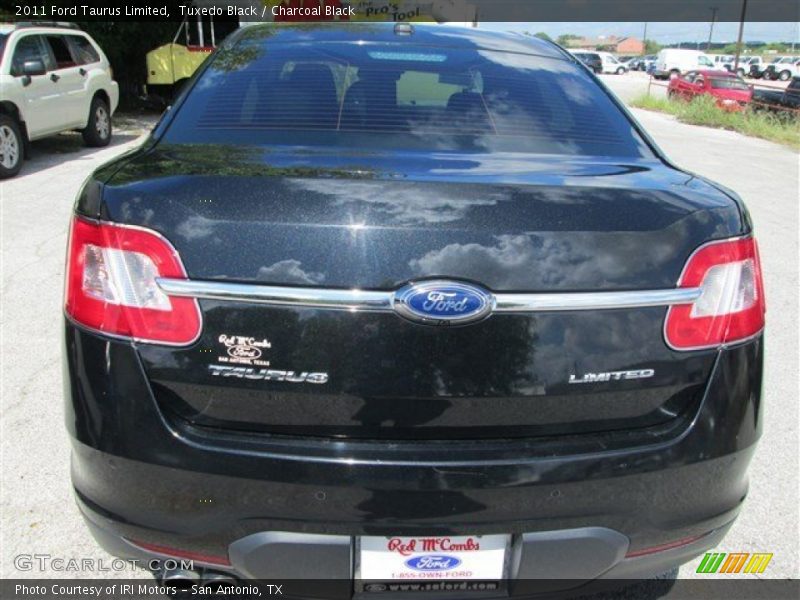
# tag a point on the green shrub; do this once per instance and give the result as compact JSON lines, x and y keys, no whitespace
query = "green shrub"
{"x":703,"y":110}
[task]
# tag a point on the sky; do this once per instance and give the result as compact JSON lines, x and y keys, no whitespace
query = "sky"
{"x":664,"y":33}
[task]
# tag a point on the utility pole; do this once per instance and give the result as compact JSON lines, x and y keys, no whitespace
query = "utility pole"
{"x":741,"y":34}
{"x":714,"y":10}
{"x":644,"y":39}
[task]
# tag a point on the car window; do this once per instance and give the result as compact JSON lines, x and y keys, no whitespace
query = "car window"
{"x":27,"y":48}
{"x":704,"y":61}
{"x":84,"y":51}
{"x":3,"y":38}
{"x":382,"y":96}
{"x":690,"y":76}
{"x":60,"y":51}
{"x":728,"y":83}
{"x":418,"y":88}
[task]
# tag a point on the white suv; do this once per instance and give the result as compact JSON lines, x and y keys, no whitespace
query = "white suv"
{"x":52,"y":79}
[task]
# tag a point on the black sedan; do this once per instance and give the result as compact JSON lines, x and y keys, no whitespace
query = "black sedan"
{"x":385,"y":305}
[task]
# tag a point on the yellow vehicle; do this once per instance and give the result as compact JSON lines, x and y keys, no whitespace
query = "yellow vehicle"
{"x":171,"y":65}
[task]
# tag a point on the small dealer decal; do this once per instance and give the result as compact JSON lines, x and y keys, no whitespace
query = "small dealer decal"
{"x":243,"y":350}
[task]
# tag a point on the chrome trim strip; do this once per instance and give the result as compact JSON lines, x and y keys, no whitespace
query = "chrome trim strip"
{"x":512,"y":303}
{"x":354,"y":300}
{"x":360,"y":300}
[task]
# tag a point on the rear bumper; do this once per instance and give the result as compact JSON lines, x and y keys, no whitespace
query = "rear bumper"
{"x":295,"y":508}
{"x":563,"y":562}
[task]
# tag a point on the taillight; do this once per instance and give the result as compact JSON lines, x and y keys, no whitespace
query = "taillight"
{"x":731,"y":305}
{"x":111,"y":284}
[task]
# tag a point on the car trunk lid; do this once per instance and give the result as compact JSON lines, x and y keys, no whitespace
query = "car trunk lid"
{"x":542,"y":226}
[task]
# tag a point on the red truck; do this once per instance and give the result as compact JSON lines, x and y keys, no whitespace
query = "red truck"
{"x":731,"y":92}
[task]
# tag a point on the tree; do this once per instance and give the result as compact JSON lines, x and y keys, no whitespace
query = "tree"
{"x":565,"y":38}
{"x":126,"y":44}
{"x":543,"y":36}
{"x":651,"y":47}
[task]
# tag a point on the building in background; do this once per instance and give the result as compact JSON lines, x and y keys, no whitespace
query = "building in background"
{"x":611,"y":43}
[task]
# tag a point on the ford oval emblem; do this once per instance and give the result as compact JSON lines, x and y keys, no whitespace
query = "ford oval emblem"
{"x":433,"y":562}
{"x":443,"y":303}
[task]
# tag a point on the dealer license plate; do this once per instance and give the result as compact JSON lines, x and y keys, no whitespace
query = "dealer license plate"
{"x":461,"y":558}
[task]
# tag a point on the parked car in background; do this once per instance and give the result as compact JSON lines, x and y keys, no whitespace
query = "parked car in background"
{"x":779,"y":101}
{"x":783,"y":69}
{"x":634,"y":63}
{"x":601,"y":62}
{"x":758,"y":70}
{"x":722,"y":61}
{"x":746,"y":65}
{"x":675,"y":61}
{"x":731,"y":92}
{"x":328,"y":323}
{"x":641,"y":63}
{"x":611,"y":64}
{"x":52,"y":79}
{"x":591,"y":60}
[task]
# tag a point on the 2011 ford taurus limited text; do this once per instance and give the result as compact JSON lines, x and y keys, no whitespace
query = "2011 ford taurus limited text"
{"x":379,"y":303}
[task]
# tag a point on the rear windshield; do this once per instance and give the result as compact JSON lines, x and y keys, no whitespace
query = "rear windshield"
{"x":398,"y":96}
{"x":728,"y":83}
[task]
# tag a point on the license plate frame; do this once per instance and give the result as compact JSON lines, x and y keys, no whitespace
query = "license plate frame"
{"x":383,"y":560}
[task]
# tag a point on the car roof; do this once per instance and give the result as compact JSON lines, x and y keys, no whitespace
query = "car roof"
{"x":715,"y":73}
{"x":6,"y":28}
{"x":423,"y":34}
{"x":46,"y":29}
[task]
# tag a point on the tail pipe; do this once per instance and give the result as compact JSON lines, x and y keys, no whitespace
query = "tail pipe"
{"x":182,"y":579}
{"x":215,"y":579}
